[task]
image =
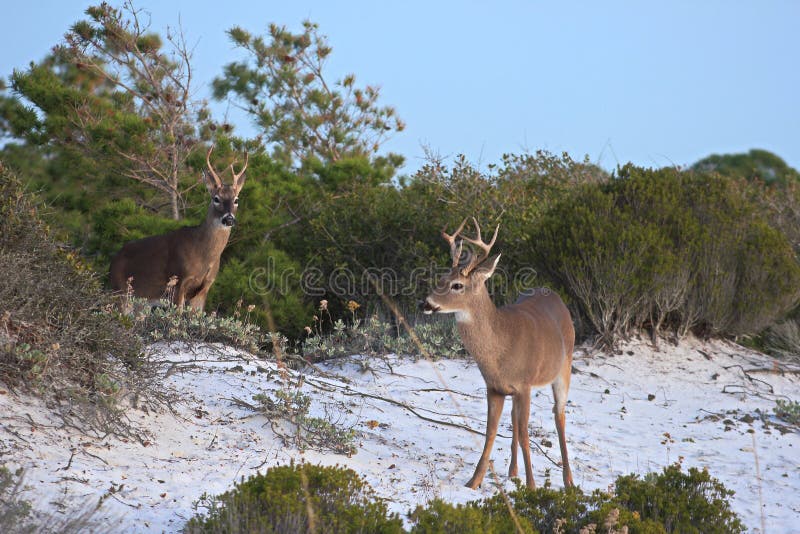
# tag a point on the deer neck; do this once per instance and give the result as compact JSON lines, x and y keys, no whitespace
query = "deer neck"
{"x":213,"y":234}
{"x":477,"y":326}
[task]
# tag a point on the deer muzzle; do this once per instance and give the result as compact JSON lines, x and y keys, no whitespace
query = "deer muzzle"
{"x":429,"y":307}
{"x":228,"y":220}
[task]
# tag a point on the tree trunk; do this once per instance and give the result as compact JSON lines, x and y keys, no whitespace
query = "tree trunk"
{"x":173,"y":198}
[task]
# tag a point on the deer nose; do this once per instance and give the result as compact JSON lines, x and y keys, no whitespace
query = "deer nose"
{"x":229,"y":220}
{"x":428,"y":307}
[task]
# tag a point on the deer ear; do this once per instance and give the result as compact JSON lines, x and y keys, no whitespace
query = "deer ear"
{"x":486,"y":269}
{"x":210,"y":185}
{"x":464,"y":256}
{"x":239,"y":184}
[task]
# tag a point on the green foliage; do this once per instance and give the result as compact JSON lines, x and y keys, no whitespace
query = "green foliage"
{"x":753,"y":165}
{"x":153,"y":121}
{"x":788,"y":410}
{"x":267,"y":278}
{"x":289,"y":499}
{"x":166,"y":322}
{"x":374,"y":337}
{"x":692,"y":502}
{"x":306,"y":119}
{"x":671,"y":501}
{"x":353,"y":169}
{"x":122,"y":221}
{"x":107,"y":129}
{"x":663,"y":247}
{"x":395,"y":241}
{"x":114,"y":156}
{"x":41,"y":150}
{"x":115,"y":99}
{"x":544,"y":508}
{"x":533,"y":510}
{"x":440,"y":517}
{"x":390,"y":244}
{"x":316,"y":433}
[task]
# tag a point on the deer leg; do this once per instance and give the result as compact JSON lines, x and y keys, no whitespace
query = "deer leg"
{"x":177,"y":292}
{"x":180,"y":297}
{"x":198,"y":302}
{"x":495,"y":408}
{"x":512,"y":468}
{"x":560,"y":390}
{"x":523,"y":400}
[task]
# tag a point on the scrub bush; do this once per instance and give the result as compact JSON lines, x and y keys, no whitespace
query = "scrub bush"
{"x":297,"y":498}
{"x":667,"y":248}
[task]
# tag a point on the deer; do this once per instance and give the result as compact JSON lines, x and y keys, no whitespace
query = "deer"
{"x":517,"y":347}
{"x":187,"y":259}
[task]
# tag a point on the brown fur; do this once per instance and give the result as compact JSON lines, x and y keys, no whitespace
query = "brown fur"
{"x":191,"y":254}
{"x":519,"y":346}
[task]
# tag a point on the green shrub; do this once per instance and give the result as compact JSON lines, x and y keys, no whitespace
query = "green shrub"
{"x":657,"y":248}
{"x":789,"y":411}
{"x":168,"y":323}
{"x":119,"y":222}
{"x":438,"y":338}
{"x":545,"y":509}
{"x":439,"y":517}
{"x":395,"y":237}
{"x":692,"y":502}
{"x":280,"y":500}
{"x":671,"y":501}
{"x":304,"y":225}
{"x":755,"y":165}
{"x":534,"y":510}
{"x":268,"y":279}
{"x":295,"y":498}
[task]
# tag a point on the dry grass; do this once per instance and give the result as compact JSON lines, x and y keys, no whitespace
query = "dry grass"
{"x":56,"y":338}
{"x":783,"y":340}
{"x":18,"y":516}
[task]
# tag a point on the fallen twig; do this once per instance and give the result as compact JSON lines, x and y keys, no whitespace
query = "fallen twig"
{"x":87,"y":453}
{"x":69,"y":463}
{"x":444,"y":390}
{"x":750,"y":378}
{"x":351,"y":393}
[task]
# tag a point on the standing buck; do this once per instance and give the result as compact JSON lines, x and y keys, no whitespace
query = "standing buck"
{"x":190,"y":254}
{"x":525,"y":344}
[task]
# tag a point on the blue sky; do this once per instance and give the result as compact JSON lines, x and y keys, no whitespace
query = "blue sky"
{"x":655,"y":83}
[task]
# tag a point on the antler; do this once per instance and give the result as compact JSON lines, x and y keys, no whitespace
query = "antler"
{"x":214,"y":175}
{"x":455,"y":249}
{"x":476,"y":259}
{"x":238,"y":175}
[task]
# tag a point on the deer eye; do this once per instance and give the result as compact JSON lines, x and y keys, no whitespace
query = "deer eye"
{"x":456,"y":286}
{"x":236,"y":200}
{"x":216,"y":199}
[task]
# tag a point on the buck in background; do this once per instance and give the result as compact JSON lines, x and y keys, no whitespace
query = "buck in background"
{"x":190,"y":254}
{"x":525,"y":344}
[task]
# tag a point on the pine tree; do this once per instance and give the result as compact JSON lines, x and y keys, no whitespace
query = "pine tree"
{"x":116,"y":95}
{"x":305,"y":118}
